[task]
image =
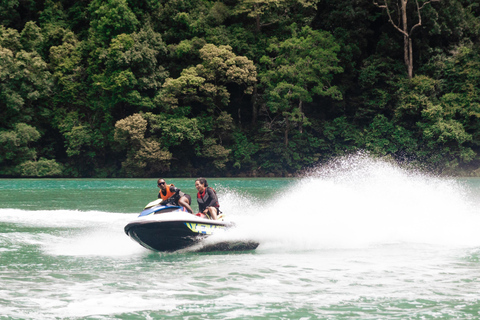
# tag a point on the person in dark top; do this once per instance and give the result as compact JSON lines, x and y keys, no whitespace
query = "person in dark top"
{"x":207,"y":199}
{"x":172,"y":195}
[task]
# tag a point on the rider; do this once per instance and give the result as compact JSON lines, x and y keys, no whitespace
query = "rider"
{"x":172,"y":195}
{"x":207,"y":199}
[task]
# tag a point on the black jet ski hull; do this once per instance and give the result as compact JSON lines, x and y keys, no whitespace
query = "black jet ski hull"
{"x":169,"y":229}
{"x":164,"y":236}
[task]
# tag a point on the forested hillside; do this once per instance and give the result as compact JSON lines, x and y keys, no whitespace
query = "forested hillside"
{"x":142,"y":88}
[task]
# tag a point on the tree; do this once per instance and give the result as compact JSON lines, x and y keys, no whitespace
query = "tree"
{"x":296,"y":70}
{"x":205,"y":86}
{"x":173,"y":130}
{"x":9,"y":12}
{"x":41,"y":168}
{"x":24,"y":78}
{"x":110,"y":19}
{"x":129,"y":71}
{"x":402,"y":25}
{"x":145,"y":155}
{"x":268,"y":12}
{"x":436,"y":123}
{"x":15,"y":147}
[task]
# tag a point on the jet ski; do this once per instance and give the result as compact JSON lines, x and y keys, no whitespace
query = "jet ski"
{"x":167,"y":228}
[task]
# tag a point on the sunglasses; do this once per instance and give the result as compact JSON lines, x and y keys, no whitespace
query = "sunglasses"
{"x":161,"y":183}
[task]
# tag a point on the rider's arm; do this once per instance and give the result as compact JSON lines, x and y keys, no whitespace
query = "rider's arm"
{"x":174,"y":189}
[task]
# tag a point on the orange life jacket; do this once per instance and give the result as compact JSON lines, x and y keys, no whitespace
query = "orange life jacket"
{"x":169,"y":193}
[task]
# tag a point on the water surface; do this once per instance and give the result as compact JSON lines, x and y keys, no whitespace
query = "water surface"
{"x":360,"y":239}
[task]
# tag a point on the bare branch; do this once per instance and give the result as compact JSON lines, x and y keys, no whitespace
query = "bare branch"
{"x":419,"y":14}
{"x":398,"y":15}
{"x":427,"y":2}
{"x":419,"y":23}
{"x":378,"y":5}
{"x":390,"y":16}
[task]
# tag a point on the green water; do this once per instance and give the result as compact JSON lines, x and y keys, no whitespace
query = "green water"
{"x":117,"y":195}
{"x":368,"y":242}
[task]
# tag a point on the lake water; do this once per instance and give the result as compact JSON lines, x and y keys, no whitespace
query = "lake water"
{"x":358,"y":239}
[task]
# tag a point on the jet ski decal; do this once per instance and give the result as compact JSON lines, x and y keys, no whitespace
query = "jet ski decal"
{"x":202,"y":228}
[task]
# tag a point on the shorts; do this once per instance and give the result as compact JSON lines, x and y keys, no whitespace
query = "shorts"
{"x":188,"y":198}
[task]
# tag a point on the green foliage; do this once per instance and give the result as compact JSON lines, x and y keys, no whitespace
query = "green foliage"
{"x":278,"y":12}
{"x":173,"y":131}
{"x":243,"y":151}
{"x":144,"y":155}
{"x":8,"y":12}
{"x":31,"y":37}
{"x":441,"y":133}
{"x":65,"y":60}
{"x":341,"y":136}
{"x":129,"y":71}
{"x":78,"y":135}
{"x":220,"y":65}
{"x":214,"y":152}
{"x":304,"y":64}
{"x":280,"y":159}
{"x":378,"y":85}
{"x":382,"y":137}
{"x":252,"y":87}
{"x":10,"y":39}
{"x":40,"y":168}
{"x":24,"y":80}
{"x":297,"y":69}
{"x":188,"y":19}
{"x":110,"y":19}
{"x":53,"y":13}
{"x":207,"y":83}
{"x":133,"y":61}
{"x":15,"y":146}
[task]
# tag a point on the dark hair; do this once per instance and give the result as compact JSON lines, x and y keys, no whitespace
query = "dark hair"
{"x":203,"y":181}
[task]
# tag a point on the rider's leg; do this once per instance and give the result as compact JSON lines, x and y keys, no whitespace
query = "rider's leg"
{"x":183,"y":201}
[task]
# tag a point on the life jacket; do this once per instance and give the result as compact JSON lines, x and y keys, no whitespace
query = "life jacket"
{"x":201,"y":195}
{"x":169,"y":193}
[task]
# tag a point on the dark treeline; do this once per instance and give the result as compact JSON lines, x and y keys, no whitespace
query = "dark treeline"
{"x":141,"y":88}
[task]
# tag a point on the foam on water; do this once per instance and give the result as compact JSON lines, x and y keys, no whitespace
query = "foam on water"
{"x":356,"y":202}
{"x":72,"y":233}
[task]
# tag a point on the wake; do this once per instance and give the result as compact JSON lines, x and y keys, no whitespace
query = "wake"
{"x":357,"y":202}
{"x":69,"y":232}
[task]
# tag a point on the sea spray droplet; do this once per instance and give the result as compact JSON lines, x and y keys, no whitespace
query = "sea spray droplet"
{"x":359,"y":201}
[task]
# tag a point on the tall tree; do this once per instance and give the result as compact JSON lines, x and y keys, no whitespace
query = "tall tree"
{"x":401,"y":24}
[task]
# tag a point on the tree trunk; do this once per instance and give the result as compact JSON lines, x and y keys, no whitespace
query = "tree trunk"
{"x":287,"y":125}
{"x":300,"y":108}
{"x":406,"y":49}
{"x":239,"y":111}
{"x":257,"y":19}
{"x":254,"y":105}
{"x":407,"y":35}
{"x":410,"y":60}
{"x":407,"y":42}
